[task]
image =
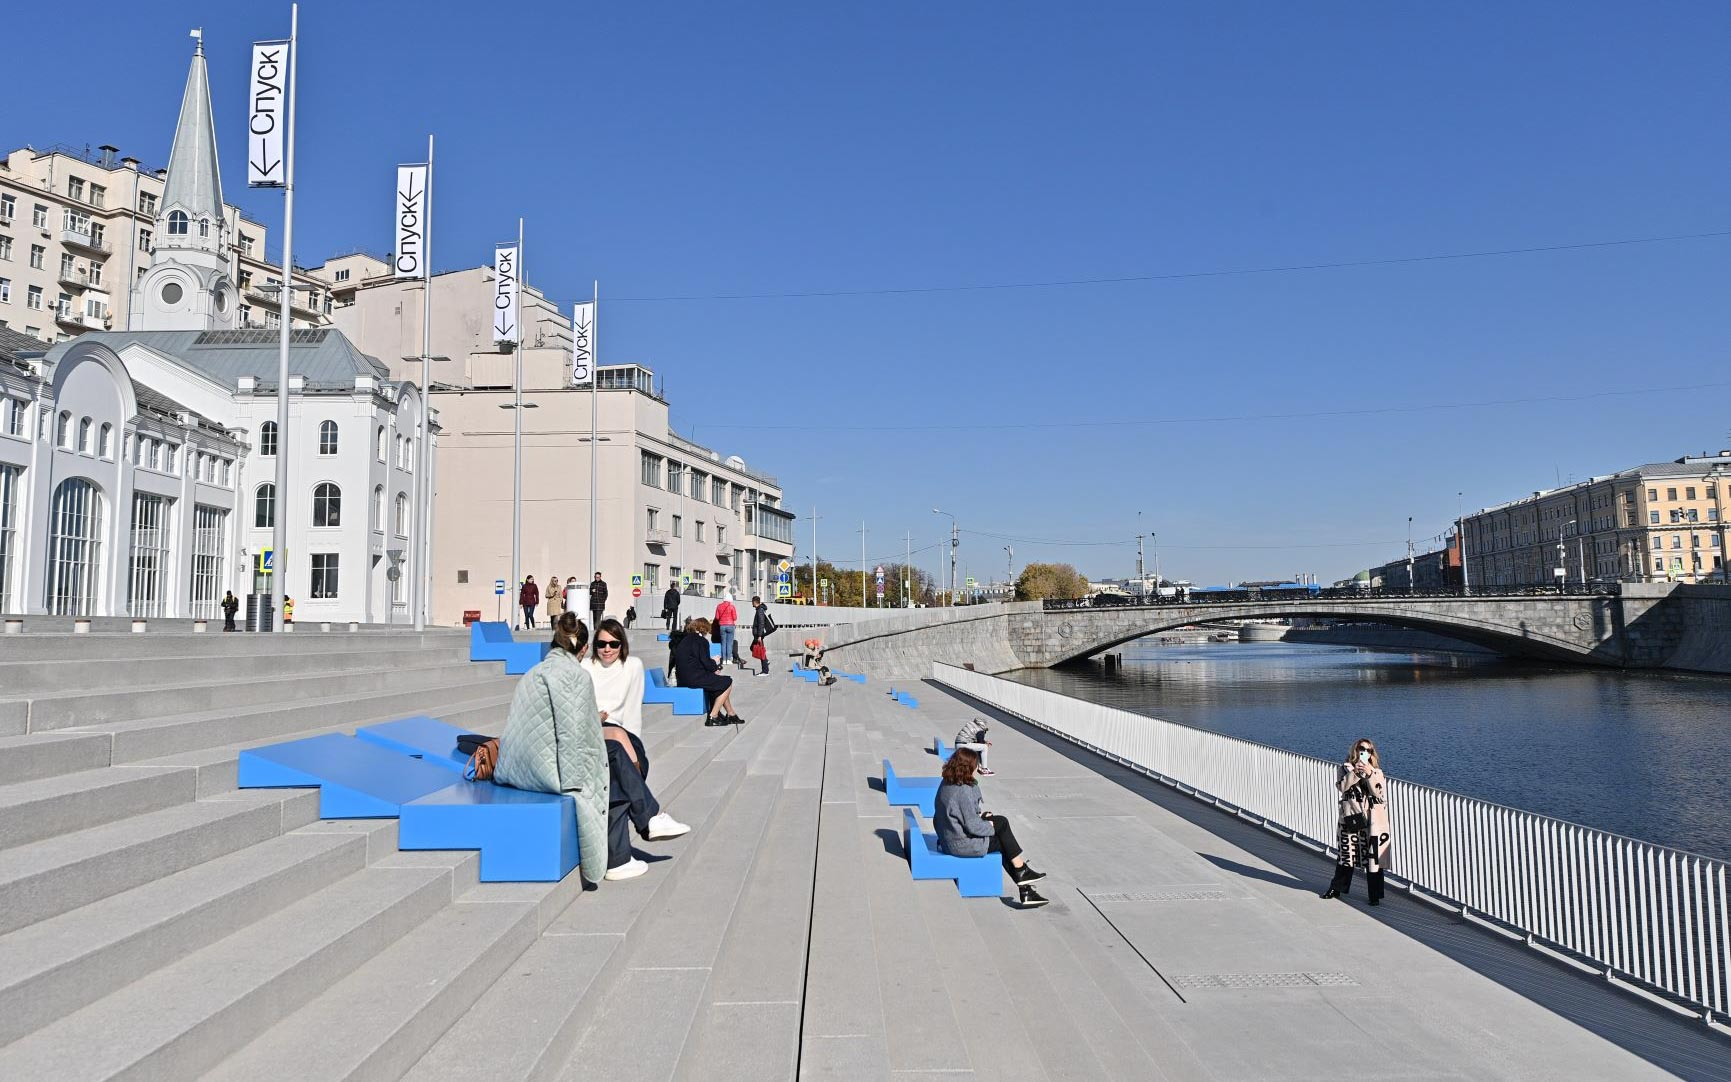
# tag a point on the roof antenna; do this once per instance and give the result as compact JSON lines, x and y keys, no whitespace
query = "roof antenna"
{"x":197,"y":33}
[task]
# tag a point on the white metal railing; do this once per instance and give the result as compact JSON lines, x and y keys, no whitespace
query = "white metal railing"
{"x":1656,"y":916}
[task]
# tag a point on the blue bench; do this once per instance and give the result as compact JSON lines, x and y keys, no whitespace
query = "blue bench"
{"x":904,"y":698}
{"x":355,"y":779}
{"x":421,"y":737}
{"x":856,"y":677}
{"x":920,"y":792}
{"x":657,"y":690}
{"x":523,"y":837}
{"x":489,"y":641}
{"x":810,"y":676}
{"x":395,"y":770}
{"x":976,"y":877}
{"x":944,"y":750}
{"x":663,"y":637}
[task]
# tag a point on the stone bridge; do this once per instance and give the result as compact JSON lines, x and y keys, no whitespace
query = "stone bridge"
{"x":1645,"y":627}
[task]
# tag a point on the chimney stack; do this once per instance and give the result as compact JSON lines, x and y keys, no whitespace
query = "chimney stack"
{"x":108,"y":154}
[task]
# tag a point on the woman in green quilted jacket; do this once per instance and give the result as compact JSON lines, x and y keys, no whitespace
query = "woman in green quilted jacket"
{"x":552,"y":741}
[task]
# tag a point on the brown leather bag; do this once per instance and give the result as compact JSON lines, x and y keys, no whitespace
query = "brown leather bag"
{"x":482,"y":762}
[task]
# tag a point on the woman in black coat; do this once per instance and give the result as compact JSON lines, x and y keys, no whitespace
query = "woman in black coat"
{"x":696,"y":669}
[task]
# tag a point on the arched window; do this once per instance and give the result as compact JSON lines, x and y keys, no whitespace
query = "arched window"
{"x":327,"y":438}
{"x":177,"y":222}
{"x":327,"y":504}
{"x":87,"y":435}
{"x":105,"y":443}
{"x":267,"y":439}
{"x":204,"y":227}
{"x":74,"y":548}
{"x":379,"y":509}
{"x":381,"y":443}
{"x":402,"y":514}
{"x":63,"y":430}
{"x":264,"y":505}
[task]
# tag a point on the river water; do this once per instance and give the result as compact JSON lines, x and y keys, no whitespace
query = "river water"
{"x":1642,"y":754}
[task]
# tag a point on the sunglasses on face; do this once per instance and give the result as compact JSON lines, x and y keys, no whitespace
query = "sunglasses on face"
{"x":606,"y":644}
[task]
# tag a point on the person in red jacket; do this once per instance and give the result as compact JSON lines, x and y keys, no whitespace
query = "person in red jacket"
{"x":528,"y":597}
{"x":727,"y":619}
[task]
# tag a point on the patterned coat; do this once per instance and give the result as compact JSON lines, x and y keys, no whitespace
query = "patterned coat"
{"x":1369,"y":849}
{"x":552,"y":744}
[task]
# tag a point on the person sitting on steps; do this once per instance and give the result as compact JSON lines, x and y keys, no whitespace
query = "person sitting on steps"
{"x":965,"y":831}
{"x":698,"y":670}
{"x":813,"y":659}
{"x":973,"y":737}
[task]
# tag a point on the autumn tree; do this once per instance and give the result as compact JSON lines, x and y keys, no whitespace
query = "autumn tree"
{"x":1037,"y":582}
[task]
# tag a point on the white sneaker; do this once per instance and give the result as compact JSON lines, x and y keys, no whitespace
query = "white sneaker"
{"x":631,"y":869}
{"x":662,"y":825}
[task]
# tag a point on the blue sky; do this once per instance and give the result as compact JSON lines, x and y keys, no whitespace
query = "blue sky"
{"x":682,"y":150}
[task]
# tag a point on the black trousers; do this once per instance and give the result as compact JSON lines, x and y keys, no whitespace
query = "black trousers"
{"x":228,"y":621}
{"x":594,"y":620}
{"x":630,"y":803}
{"x":1003,"y":841}
{"x":672,"y":617}
{"x":755,"y":640}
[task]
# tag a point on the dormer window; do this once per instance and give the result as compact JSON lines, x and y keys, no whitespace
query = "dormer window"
{"x":204,"y":227}
{"x":177,"y":223}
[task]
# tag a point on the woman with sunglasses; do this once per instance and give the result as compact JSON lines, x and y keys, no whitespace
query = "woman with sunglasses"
{"x":1364,"y":828}
{"x":618,"y":678}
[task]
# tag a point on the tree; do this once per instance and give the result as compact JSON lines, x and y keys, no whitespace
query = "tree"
{"x":844,"y":585}
{"x":1037,"y":582}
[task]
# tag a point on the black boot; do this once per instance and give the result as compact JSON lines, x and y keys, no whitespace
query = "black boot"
{"x":1031,"y":898}
{"x":1341,"y":883}
{"x":1373,"y":881}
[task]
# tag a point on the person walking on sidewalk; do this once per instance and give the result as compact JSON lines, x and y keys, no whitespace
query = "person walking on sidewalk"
{"x":597,"y":600}
{"x":727,"y":619}
{"x":528,"y":596}
{"x":1364,"y":826}
{"x":762,"y":627}
{"x":670,"y":608}
{"x":965,"y":831}
{"x":230,"y":606}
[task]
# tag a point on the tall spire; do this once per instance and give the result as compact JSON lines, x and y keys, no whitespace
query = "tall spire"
{"x":194,"y":182}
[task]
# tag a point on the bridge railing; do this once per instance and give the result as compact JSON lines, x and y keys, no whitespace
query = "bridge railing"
{"x":1330,"y":593}
{"x":1654,"y":916}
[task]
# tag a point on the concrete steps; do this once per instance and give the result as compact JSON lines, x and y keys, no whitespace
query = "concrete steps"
{"x":59,"y":874}
{"x":29,"y":756}
{"x":64,"y":963}
{"x":33,"y":810}
{"x":29,"y":678}
{"x":184,"y":1018}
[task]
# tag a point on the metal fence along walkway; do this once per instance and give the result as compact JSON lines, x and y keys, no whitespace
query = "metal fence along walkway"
{"x":1655,"y":917}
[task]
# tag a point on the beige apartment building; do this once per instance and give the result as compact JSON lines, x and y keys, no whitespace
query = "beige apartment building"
{"x":1660,"y":522}
{"x":669,"y":511}
{"x":77,"y":232}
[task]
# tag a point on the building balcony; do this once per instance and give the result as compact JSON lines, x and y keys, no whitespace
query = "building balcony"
{"x":74,"y":238}
{"x":724,"y":552}
{"x":66,"y":317}
{"x":659,"y":538}
{"x":76,"y":279}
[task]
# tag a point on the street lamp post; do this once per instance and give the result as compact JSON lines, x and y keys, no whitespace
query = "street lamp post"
{"x":955,"y":539}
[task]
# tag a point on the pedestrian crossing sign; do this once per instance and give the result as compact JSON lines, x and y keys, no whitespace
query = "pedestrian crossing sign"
{"x":783,"y":589}
{"x":636,"y":580}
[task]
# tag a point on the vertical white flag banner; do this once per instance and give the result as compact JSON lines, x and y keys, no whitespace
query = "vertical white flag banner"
{"x":505,"y":293}
{"x":265,"y":123}
{"x":411,"y":224}
{"x":583,"y":344}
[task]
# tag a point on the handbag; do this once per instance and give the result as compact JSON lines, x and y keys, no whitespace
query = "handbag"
{"x":482,"y":762}
{"x":759,"y":651}
{"x":1356,"y":823}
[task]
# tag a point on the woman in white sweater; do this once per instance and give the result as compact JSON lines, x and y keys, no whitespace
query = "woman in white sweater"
{"x":618,"y":678}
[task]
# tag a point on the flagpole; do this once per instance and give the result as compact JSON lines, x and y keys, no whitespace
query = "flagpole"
{"x":517,"y":439}
{"x":283,"y":501}
{"x":423,"y":583}
{"x":594,"y":426}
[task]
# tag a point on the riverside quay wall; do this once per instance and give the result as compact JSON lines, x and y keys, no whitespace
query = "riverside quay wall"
{"x":1649,"y":626}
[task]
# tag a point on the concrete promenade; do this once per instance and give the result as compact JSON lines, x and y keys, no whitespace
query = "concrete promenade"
{"x":782,"y":938}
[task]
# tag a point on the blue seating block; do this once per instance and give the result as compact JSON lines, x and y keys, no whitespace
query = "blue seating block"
{"x":920,"y":792}
{"x":420,"y":736}
{"x":355,"y":779}
{"x":810,"y":676}
{"x":905,"y":699}
{"x":944,"y":750}
{"x":683,"y":700}
{"x":856,"y":677}
{"x":976,"y":877}
{"x":663,"y":637}
{"x":490,"y":641}
{"x":523,"y":837}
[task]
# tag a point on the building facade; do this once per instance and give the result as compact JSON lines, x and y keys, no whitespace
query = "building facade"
{"x":137,"y":468}
{"x":1659,"y":522}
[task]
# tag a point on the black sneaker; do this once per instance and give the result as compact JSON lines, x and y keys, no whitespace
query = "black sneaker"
{"x":715,"y":721}
{"x":1026,"y":874}
{"x":733,"y":719}
{"x":1031,"y":899}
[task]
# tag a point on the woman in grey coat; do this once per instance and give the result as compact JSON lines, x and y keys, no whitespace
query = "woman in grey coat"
{"x":1364,"y":828}
{"x":965,"y":831}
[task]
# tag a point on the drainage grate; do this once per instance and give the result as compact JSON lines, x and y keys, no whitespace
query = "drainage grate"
{"x":1262,"y":980}
{"x":1162,"y":896}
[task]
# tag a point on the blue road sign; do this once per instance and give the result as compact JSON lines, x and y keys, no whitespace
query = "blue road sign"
{"x":499,"y":587}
